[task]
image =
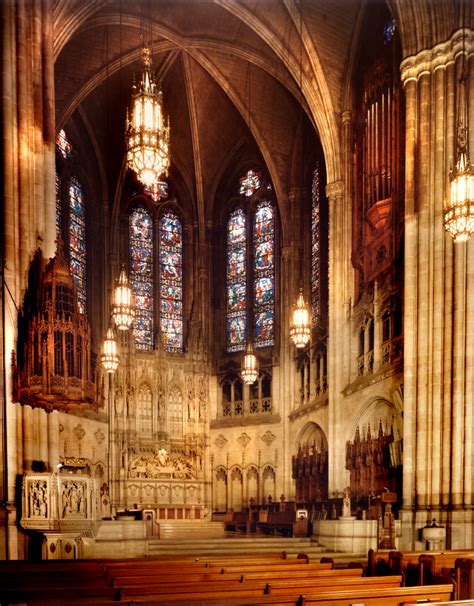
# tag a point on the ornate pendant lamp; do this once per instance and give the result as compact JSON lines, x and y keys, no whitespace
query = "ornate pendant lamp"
{"x":249,"y":366}
{"x":123,"y":311}
{"x":109,"y":357}
{"x":300,"y":323}
{"x":459,"y":213}
{"x":147,"y":131}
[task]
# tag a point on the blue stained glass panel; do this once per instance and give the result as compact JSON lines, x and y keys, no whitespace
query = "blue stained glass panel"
{"x":236,"y":228}
{"x":315,"y":248}
{"x":264,"y":255}
{"x":264,"y":328}
{"x":236,"y":328}
{"x":141,"y":275}
{"x":58,"y":207}
{"x":264,"y":220}
{"x":264,"y":290}
{"x":170,"y":265}
{"x":236,"y":279}
{"x":250,"y":183}
{"x":77,"y":241}
{"x":236,"y":297}
{"x":236,"y":263}
{"x":264,"y":274}
{"x":63,"y":144}
{"x":171,"y":281}
{"x":172,"y":331}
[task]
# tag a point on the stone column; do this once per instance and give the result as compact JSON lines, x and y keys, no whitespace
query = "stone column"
{"x":336,"y":345}
{"x":28,"y":192}
{"x":438,"y":294}
{"x":53,"y":440}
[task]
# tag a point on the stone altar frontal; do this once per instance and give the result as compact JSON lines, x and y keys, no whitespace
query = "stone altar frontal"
{"x":59,"y":502}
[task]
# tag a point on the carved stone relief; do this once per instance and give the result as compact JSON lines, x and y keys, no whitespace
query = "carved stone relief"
{"x":161,"y":465}
{"x":244,"y":439}
{"x":268,"y":437}
{"x":220,"y":441}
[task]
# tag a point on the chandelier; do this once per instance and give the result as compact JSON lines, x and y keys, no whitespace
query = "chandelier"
{"x":109,"y":357}
{"x":249,"y":365}
{"x":300,"y":324}
{"x":147,"y":132}
{"x":459,"y":213}
{"x":123,"y":311}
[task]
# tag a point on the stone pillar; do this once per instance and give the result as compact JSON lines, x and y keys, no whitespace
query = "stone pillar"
{"x":53,"y":440}
{"x":28,"y":192}
{"x":437,"y":468}
{"x":337,"y":342}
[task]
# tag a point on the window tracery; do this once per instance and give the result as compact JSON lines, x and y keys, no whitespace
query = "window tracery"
{"x":250,"y":272}
{"x":164,"y":284}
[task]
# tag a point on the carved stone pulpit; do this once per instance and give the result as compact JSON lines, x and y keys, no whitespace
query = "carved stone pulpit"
{"x":61,"y":506}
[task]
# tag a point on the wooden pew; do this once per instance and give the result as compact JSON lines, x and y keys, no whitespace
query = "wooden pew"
{"x":283,"y":522}
{"x":255,"y":589}
{"x":269,"y":574}
{"x":237,"y":520}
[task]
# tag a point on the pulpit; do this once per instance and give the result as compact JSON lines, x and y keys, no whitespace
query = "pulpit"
{"x":386,"y":530}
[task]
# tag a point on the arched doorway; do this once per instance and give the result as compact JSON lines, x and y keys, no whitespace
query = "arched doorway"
{"x":310,"y":465}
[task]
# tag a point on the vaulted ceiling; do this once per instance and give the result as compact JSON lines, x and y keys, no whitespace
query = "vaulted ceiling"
{"x":234,"y":72}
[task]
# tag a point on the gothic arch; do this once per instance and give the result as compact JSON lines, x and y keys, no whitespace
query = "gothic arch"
{"x":311,"y":434}
{"x":374,"y":411}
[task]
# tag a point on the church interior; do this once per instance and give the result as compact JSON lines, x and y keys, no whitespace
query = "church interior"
{"x":236,"y":271}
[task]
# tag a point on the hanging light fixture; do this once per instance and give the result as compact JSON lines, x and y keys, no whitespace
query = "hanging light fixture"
{"x":249,"y":365}
{"x":123,"y":311}
{"x":459,"y":213}
{"x":147,"y":130}
{"x":109,"y":357}
{"x":300,"y":323}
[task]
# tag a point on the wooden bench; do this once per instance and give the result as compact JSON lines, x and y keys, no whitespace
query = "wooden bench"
{"x":237,"y":520}
{"x":283,"y":522}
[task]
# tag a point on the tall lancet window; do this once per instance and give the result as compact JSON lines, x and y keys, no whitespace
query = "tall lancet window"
{"x":71,"y":214}
{"x":264,"y":274}
{"x":141,"y":275}
{"x":77,"y":240}
{"x":236,"y":281}
{"x":171,"y":281}
{"x":250,"y":266}
{"x":316,"y":247}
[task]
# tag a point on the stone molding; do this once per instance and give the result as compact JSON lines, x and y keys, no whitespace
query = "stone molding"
{"x":335,"y":190}
{"x":440,"y":56}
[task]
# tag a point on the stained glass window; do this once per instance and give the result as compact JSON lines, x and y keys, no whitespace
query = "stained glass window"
{"x":264,"y":274}
{"x":158,"y":191}
{"x":389,"y":31}
{"x":316,"y":247}
{"x":141,"y":275}
{"x":58,"y":207}
{"x":63,"y":144}
{"x":171,"y":281}
{"x":77,"y":240}
{"x":250,"y":183}
{"x":236,"y":281}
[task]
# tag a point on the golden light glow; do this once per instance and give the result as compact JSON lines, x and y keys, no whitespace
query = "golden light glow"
{"x":147,"y":131}
{"x":249,"y":366}
{"x":123,"y":311}
{"x":109,"y":357}
{"x":459,"y":215}
{"x":300,"y":323}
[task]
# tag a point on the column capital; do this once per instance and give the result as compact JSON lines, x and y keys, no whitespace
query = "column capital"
{"x":335,"y":190}
{"x":440,"y":56}
{"x":346,"y":116}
